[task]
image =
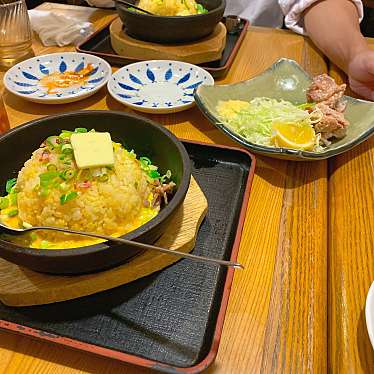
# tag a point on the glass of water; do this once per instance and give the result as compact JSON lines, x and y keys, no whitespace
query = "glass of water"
{"x":15,"y":33}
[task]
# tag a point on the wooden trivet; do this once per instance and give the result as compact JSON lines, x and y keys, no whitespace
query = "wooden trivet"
{"x":207,"y":49}
{"x":22,"y":287}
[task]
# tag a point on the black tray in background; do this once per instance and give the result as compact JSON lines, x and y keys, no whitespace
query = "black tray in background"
{"x":99,"y":45}
{"x":169,"y":317}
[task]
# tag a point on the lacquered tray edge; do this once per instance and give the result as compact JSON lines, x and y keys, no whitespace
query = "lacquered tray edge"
{"x":137,"y":360}
{"x":218,"y":72}
{"x":210,"y":357}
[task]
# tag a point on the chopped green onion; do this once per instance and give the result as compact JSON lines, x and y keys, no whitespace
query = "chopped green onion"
{"x":55,"y":183}
{"x":10,"y":184}
{"x":154,"y":174}
{"x":200,"y":9}
{"x":47,"y":178}
{"x":62,"y":157}
{"x":4,"y":202}
{"x":69,"y":196}
{"x":67,"y":149}
{"x":145,"y":160}
{"x":53,"y":141}
{"x":80,"y":129}
{"x":13,"y":213}
{"x":13,"y":199}
{"x":33,"y":236}
{"x":49,"y":175}
{"x":65,"y":134}
{"x":51,"y":167}
{"x":103,"y":178}
{"x":132,"y":9}
{"x":165,"y":176}
{"x":67,"y":174}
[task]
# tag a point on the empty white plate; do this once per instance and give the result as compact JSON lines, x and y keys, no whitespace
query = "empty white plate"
{"x":158,"y":86}
{"x":369,"y":313}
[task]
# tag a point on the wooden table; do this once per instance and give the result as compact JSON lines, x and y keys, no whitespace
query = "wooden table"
{"x":307,"y":246}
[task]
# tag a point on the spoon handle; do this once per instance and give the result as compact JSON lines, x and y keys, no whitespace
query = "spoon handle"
{"x":144,"y":246}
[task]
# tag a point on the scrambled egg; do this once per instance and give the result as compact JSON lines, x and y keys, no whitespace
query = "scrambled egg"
{"x":169,"y":7}
{"x":230,"y":108}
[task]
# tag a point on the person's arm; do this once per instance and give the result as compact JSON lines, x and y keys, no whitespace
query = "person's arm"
{"x":333,"y":25}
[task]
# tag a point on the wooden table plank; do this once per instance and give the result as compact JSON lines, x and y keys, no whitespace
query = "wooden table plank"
{"x":274,"y":321}
{"x":4,"y":121}
{"x":274,"y":311}
{"x":351,"y":254}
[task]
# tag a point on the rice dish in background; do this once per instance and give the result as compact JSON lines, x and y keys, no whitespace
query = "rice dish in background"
{"x":172,"y":7}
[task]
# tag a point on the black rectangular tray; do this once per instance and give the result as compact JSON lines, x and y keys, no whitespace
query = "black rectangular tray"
{"x":172,"y":319}
{"x":98,"y":44}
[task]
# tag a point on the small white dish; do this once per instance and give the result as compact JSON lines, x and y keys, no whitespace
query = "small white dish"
{"x":28,"y":78}
{"x":158,"y":86}
{"x":369,"y":314}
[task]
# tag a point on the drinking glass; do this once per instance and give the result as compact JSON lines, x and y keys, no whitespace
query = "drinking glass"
{"x":15,"y":33}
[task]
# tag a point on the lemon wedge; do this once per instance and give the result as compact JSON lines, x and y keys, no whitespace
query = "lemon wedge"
{"x":295,"y":136}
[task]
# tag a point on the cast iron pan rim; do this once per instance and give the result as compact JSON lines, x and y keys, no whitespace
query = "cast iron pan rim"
{"x":151,"y":16}
{"x":71,"y":252}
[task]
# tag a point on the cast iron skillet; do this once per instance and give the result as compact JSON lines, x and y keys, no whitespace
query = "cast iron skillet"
{"x":163,"y":29}
{"x":144,"y":136}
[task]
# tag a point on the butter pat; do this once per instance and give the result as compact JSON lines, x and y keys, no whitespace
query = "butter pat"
{"x":92,"y":149}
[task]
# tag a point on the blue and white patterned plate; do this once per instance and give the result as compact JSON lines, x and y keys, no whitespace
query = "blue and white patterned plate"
{"x":26,"y":78}
{"x":158,"y":86}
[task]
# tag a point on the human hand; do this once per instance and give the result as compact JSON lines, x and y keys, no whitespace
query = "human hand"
{"x":361,"y":73}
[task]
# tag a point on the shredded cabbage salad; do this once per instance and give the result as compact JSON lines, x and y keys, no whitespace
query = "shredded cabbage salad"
{"x":253,"y":120}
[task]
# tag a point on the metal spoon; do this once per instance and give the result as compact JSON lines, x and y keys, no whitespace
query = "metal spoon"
{"x":13,"y":231}
{"x":135,"y":7}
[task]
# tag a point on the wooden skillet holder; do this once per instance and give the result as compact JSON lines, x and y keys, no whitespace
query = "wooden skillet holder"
{"x":23,"y":287}
{"x":207,"y":49}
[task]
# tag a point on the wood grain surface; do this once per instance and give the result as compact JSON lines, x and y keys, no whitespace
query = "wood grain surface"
{"x":351,"y":253}
{"x":277,"y":317}
{"x":4,"y":121}
{"x":24,"y":287}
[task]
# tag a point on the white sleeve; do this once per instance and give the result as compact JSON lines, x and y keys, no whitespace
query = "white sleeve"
{"x":293,"y":11}
{"x":101,"y":3}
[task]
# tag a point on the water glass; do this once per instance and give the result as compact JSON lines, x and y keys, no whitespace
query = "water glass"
{"x":15,"y":33}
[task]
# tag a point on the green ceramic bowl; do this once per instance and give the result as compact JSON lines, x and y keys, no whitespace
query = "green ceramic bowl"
{"x":288,"y":81}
